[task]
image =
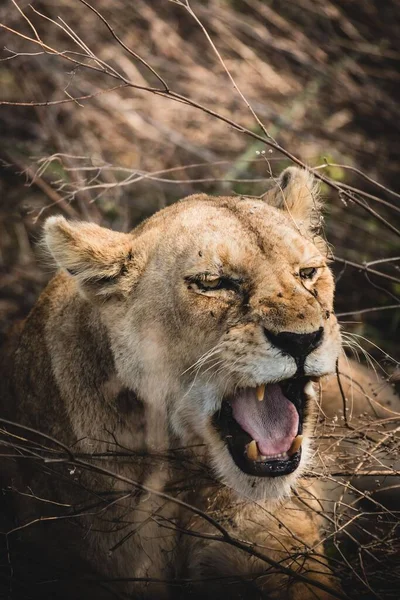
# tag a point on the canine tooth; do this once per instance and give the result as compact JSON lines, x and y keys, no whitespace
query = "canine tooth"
{"x":252,"y":450}
{"x":295,"y":445}
{"x":260,"y":391}
{"x":309,"y":389}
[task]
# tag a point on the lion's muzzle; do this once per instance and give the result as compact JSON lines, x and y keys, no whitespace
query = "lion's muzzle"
{"x":262,"y":427}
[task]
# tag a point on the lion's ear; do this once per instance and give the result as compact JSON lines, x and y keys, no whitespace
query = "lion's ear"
{"x":296,"y":192}
{"x":102,"y":261}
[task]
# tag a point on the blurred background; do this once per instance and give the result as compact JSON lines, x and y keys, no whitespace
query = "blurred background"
{"x":77,"y":139}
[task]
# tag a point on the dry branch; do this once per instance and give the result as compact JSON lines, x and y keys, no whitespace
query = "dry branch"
{"x":88,"y":180}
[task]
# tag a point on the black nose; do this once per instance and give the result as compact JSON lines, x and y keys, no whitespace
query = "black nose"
{"x":296,"y":344}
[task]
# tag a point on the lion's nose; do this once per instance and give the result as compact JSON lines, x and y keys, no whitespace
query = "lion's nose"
{"x":296,"y":344}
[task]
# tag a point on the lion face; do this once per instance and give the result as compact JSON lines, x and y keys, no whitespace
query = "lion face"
{"x":219,"y":310}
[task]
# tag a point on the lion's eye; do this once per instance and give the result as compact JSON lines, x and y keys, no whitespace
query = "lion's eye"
{"x":219,"y":283}
{"x":206,"y":283}
{"x":308,"y":272}
{"x":213,"y":284}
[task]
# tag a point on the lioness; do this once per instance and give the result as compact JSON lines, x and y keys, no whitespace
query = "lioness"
{"x":182,"y":357}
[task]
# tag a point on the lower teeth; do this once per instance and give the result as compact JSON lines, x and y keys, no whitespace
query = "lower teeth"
{"x":272,"y":456}
{"x":253,"y":454}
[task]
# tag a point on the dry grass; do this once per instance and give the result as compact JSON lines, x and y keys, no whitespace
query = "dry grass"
{"x":321,"y":77}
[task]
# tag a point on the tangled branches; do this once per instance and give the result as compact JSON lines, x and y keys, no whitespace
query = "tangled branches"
{"x":123,"y":93}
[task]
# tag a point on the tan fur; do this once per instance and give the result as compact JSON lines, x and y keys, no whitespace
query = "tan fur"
{"x":110,"y":355}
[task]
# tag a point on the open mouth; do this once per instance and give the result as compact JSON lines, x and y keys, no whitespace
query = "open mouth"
{"x":263,"y":426}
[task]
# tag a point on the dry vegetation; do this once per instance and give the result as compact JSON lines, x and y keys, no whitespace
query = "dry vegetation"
{"x":113,"y":128}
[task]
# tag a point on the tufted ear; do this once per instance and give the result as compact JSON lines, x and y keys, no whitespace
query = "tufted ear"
{"x":102,"y":261}
{"x":296,"y":192}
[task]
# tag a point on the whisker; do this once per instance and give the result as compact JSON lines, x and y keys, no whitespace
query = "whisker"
{"x":374,"y":345}
{"x":368,"y":357}
{"x":218,"y":362}
{"x":217,"y":348}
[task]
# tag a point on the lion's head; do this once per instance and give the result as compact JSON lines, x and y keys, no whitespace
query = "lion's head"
{"x":220,"y":309}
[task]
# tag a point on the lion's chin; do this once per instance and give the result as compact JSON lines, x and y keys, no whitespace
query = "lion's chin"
{"x":262,"y":427}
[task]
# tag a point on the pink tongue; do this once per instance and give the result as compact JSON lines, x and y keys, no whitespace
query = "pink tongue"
{"x":273,"y":422}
